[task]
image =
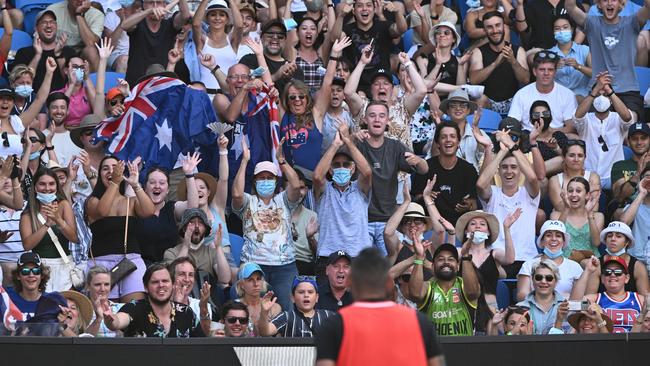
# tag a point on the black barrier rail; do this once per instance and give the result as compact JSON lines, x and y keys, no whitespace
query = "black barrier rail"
{"x":561,"y":350}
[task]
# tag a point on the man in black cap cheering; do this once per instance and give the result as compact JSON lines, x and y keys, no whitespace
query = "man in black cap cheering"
{"x":334,"y":294}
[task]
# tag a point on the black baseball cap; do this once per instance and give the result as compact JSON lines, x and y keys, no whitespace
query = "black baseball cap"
{"x":446,"y":247}
{"x":338,"y":255}
{"x":274,"y":23}
{"x":29,"y":257}
{"x":9,"y":92}
{"x":512,"y":124}
{"x":382,"y":73}
{"x":638,"y":127}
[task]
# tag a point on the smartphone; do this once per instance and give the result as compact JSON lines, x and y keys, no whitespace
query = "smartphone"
{"x":506,"y":43}
{"x":578,"y":305}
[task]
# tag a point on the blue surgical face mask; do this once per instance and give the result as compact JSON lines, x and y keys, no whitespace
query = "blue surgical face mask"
{"x":341,"y":176}
{"x":126,"y":3}
{"x":79,"y":73}
{"x":563,"y":37}
{"x":618,"y":254}
{"x":24,"y":90}
{"x":35,"y":155}
{"x":547,"y":252}
{"x":46,"y":198}
{"x":479,"y":237}
{"x":265,"y":188}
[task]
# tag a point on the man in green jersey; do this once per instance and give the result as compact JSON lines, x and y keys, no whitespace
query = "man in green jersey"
{"x":447,"y":299}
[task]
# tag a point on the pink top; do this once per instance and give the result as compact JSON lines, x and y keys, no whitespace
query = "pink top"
{"x":79,"y":107}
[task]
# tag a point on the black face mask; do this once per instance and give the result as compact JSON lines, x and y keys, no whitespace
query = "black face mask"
{"x":547,"y":123}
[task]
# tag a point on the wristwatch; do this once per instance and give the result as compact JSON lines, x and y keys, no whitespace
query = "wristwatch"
{"x":282,"y":161}
{"x":466,"y":258}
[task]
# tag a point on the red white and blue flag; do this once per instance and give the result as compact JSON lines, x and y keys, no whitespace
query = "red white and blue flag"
{"x":163,"y":118}
{"x":9,"y":311}
{"x":264,"y":100}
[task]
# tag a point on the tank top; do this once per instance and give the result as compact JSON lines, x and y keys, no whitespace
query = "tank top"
{"x":46,"y":248}
{"x":157,"y":233}
{"x":108,"y":236}
{"x":560,"y":177}
{"x":10,"y":142}
{"x":225,"y":57}
{"x":502,"y":83}
{"x":364,"y":335}
{"x":214,"y":226}
{"x":623,"y":313}
{"x":448,"y":70}
{"x":449,"y":311}
{"x":490,"y":273}
{"x":580,"y":239}
{"x":631,"y":284}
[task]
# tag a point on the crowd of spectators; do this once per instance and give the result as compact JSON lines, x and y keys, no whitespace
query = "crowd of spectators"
{"x":538,"y":223}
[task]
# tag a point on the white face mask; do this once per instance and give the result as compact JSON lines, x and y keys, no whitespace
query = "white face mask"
{"x":479,"y":237}
{"x":602,"y":103}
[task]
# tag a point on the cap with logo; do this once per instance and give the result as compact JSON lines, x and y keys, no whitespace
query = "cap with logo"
{"x":638,"y":127}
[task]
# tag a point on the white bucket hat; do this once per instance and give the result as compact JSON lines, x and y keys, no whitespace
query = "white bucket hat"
{"x":554,"y":225}
{"x":617,"y":227}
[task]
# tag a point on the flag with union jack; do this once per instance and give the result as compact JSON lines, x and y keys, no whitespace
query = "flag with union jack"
{"x":264,"y":99}
{"x":9,"y":311}
{"x":163,"y":118}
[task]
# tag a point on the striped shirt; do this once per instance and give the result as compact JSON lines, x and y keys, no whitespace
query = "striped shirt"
{"x":11,"y":249}
{"x":291,"y":324}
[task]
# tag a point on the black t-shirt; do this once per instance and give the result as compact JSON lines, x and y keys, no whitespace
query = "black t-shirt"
{"x":25,"y":55}
{"x":157,"y":233}
{"x":453,"y":185}
{"x":147,"y":48}
{"x":327,"y":301}
{"x":144,"y":322}
{"x":539,"y":17}
{"x":380,"y":32}
{"x":250,"y":60}
{"x":330,"y":336}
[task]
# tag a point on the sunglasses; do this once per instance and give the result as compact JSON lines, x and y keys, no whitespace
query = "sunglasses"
{"x":538,"y":115}
{"x":546,"y":55}
{"x":617,"y":272}
{"x":575,"y":142}
{"x":5,"y":139}
{"x":234,"y":319}
{"x":299,"y":96}
{"x":34,"y":139}
{"x":548,"y":278}
{"x":278,"y":35}
{"x":603,"y":146}
{"x":26,"y":271}
{"x":87,"y":133}
{"x":409,"y":221}
{"x":445,"y":32}
{"x":458,"y":105}
{"x":114,"y":102}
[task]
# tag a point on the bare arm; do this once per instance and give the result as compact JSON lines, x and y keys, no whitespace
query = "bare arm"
{"x":238,"y":184}
{"x":576,"y":13}
{"x":471,"y":285}
{"x":87,"y":36}
{"x":35,"y":108}
{"x":478,"y":72}
{"x":5,"y":41}
{"x":413,"y":100}
{"x":523,"y":287}
{"x":354,"y":100}
{"x":183,"y":13}
{"x":484,"y":181}
{"x":390,"y":230}
{"x":197,"y":21}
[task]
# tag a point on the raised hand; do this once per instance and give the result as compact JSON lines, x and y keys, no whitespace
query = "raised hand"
{"x":345,"y":9}
{"x":104,"y":48}
{"x":218,"y":237}
{"x":207,"y":60}
{"x":134,"y":172}
{"x":406,"y":192}
{"x":312,"y":227}
{"x":366,"y":55}
{"x":268,"y":300}
{"x":37,"y":44}
{"x":511,"y":218}
{"x":418,"y":247}
{"x":403,"y":57}
{"x":174,"y":56}
{"x":50,"y":135}
{"x":499,"y":316}
{"x":428,"y":190}
{"x":205,"y":294}
{"x":123,"y":86}
{"x":117,"y":176}
{"x":223,"y":143}
{"x":60,"y":42}
{"x":505,"y":139}
{"x":7,"y":167}
{"x":254,"y":45}
{"x":340,"y":45}
{"x":279,"y":153}
{"x":476,"y":131}
{"x":344,"y":130}
{"x":246,"y":153}
{"x":50,"y":65}
{"x":85,"y":5}
{"x":288,"y":69}
{"x":389,"y":6}
{"x":191,"y":162}
{"x":411,"y":158}
{"x":593,"y":200}
{"x":64,"y":314}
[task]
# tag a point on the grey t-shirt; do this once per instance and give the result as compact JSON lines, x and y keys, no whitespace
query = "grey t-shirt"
{"x":386,"y":162}
{"x":613,"y":49}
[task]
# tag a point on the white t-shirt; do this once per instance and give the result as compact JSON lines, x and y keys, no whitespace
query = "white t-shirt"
{"x":561,"y":100}
{"x":112,"y":21}
{"x":64,"y":147}
{"x":523,"y":230}
{"x":570,"y":271}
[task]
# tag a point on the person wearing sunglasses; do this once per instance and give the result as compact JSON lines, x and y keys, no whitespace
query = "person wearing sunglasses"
{"x":303,"y":320}
{"x":574,"y":155}
{"x":603,"y":130}
{"x":423,"y":18}
{"x":616,"y":53}
{"x":562,"y":101}
{"x":234,"y":317}
{"x":29,"y":281}
{"x":621,"y":305}
{"x":542,"y":136}
{"x":544,"y":301}
{"x":553,"y":239}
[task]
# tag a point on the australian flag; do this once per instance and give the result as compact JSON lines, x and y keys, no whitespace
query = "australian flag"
{"x":163,"y":118}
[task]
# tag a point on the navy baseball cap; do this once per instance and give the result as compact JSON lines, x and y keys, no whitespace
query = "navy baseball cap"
{"x":338,"y":255}
{"x":638,"y":127}
{"x":29,"y":257}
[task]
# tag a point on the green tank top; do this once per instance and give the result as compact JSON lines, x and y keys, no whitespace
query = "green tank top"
{"x":449,"y":312}
{"x":46,"y":248}
{"x":580,"y":240}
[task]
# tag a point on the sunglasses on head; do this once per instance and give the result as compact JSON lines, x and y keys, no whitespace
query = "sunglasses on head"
{"x":603,"y":146}
{"x":5,"y":139}
{"x":538,"y":115}
{"x":299,"y":96}
{"x":548,"y":278}
{"x":546,"y":55}
{"x":235,"y":319}
{"x":617,"y":272}
{"x":575,"y":142}
{"x":115,"y":101}
{"x":26,"y":271}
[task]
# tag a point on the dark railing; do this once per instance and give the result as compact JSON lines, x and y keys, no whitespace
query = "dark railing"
{"x":570,"y":350}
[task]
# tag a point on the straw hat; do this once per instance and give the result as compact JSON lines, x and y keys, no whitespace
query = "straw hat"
{"x":574,"y":319}
{"x":83,"y":304}
{"x":207,"y":178}
{"x":89,"y":122}
{"x":492,"y":221}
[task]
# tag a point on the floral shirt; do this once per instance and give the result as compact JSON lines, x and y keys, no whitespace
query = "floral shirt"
{"x":145,"y":323}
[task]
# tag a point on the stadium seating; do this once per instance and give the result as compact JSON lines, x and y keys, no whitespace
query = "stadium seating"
{"x":19,"y":39}
{"x":111,"y":79}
